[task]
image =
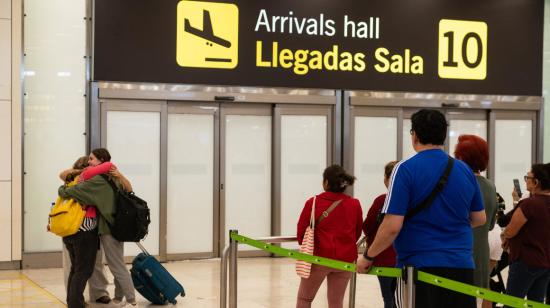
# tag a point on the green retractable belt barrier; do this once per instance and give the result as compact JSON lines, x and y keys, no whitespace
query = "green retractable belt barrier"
{"x":340,"y":265}
{"x":393,"y":272}
{"x":477,"y":292}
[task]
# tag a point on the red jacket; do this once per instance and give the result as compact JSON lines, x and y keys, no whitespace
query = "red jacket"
{"x":337,"y":234}
{"x":387,"y":257}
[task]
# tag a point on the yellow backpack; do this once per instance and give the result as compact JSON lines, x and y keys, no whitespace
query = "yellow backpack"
{"x":66,"y":216}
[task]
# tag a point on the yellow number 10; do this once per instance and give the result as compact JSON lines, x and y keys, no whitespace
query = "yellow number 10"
{"x":469,"y":40}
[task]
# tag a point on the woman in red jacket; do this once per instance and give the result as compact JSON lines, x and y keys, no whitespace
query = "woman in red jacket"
{"x":335,"y":237}
{"x":386,"y":258}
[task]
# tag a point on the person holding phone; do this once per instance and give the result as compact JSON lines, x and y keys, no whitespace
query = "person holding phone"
{"x":526,"y":238}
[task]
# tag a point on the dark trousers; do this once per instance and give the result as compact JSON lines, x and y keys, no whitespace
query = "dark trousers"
{"x":388,"y":286}
{"x":82,"y":248}
{"x":430,"y":296}
{"x":525,"y":280}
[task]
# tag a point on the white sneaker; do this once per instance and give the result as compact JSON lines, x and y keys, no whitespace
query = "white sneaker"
{"x":123,"y":303}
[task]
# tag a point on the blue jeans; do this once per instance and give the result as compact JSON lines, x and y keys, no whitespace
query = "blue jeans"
{"x":387,"y":286}
{"x":527,"y":280}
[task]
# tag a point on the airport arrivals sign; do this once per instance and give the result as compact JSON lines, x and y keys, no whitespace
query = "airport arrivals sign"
{"x":450,"y":46}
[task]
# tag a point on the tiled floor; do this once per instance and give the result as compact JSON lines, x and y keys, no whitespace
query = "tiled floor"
{"x":262,"y":282}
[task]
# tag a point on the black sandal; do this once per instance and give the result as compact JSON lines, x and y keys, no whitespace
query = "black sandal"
{"x":103,"y":300}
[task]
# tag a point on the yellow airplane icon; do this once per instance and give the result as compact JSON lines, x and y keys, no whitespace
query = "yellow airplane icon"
{"x":219,"y":31}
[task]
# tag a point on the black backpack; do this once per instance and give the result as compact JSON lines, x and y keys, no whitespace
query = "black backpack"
{"x":131,"y":216}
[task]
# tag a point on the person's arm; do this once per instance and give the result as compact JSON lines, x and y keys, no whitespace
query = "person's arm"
{"x":115,"y":173}
{"x":65,"y":173}
{"x":478,"y":218}
{"x":85,"y":192}
{"x":388,"y":231}
{"x":517,"y":222}
{"x":90,"y":172}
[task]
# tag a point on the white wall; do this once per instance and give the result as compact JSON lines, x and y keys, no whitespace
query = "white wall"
{"x":10,"y":168}
{"x":5,"y":130}
{"x":54,"y":108}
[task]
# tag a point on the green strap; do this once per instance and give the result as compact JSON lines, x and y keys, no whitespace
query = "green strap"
{"x":477,"y":292}
{"x":340,"y":265}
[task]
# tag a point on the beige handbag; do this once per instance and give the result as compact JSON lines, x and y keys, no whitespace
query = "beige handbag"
{"x":303,"y":268}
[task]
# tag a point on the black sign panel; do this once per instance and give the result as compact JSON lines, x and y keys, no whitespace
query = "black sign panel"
{"x":450,"y":46}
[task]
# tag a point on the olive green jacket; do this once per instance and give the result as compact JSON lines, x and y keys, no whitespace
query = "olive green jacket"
{"x":98,"y":192}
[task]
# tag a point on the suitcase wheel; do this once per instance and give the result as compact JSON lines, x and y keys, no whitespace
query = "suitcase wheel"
{"x":173,"y":302}
{"x":182,"y":294}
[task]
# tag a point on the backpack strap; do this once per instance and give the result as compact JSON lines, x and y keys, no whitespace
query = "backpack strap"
{"x":437,"y":189}
{"x":325,"y":213}
{"x":110,"y":181}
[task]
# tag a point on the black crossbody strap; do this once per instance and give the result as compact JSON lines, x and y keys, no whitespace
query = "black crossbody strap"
{"x":437,"y":189}
{"x":325,"y":213}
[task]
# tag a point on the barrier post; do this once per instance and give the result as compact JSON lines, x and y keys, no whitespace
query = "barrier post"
{"x":223,"y":278}
{"x":233,"y":250}
{"x":409,"y":287}
{"x":353,"y":281}
{"x":352,"y":290}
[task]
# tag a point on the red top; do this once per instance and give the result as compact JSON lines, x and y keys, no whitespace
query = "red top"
{"x":336,"y":236}
{"x":90,"y":172}
{"x":386,"y":258}
{"x":532,"y":245}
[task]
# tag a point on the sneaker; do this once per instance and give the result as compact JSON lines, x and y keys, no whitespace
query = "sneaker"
{"x":123,"y":303}
{"x":103,"y":300}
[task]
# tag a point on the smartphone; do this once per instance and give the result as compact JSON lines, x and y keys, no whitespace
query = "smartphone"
{"x":516,"y":187}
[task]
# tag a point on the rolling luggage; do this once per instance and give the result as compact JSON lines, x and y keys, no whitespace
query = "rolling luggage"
{"x":153,"y":281}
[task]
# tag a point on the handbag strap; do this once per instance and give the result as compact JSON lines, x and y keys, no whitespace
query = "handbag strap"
{"x":325,"y":213}
{"x":312,"y":215}
{"x":437,"y":189}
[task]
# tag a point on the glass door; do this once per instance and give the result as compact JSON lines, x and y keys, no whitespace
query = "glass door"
{"x":303,"y":149}
{"x":465,"y":123}
{"x":513,"y":150}
{"x":374,"y":135}
{"x":132,"y":133}
{"x":245,"y":179}
{"x":192,"y":170}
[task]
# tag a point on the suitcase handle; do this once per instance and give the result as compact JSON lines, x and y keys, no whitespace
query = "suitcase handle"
{"x":142,"y":248}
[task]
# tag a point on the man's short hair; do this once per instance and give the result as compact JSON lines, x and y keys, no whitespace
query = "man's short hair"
{"x":430,"y":126}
